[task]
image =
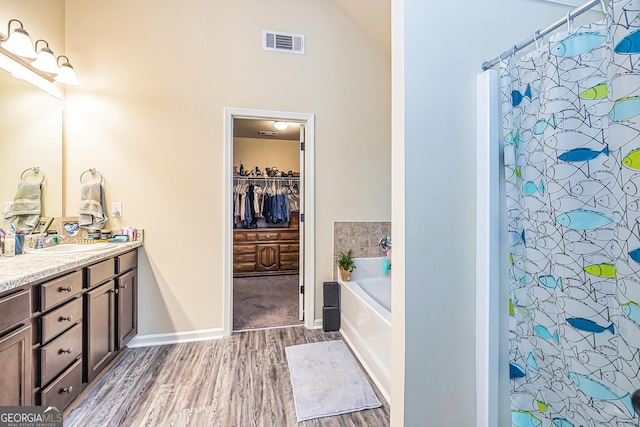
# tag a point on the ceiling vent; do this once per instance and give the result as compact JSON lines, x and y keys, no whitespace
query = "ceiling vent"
{"x":283,"y":42}
{"x":267,"y":133}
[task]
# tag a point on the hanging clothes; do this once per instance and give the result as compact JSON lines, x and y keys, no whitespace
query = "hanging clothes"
{"x":572,"y":160}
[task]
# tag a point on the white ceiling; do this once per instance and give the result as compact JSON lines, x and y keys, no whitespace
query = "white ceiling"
{"x":250,"y":128}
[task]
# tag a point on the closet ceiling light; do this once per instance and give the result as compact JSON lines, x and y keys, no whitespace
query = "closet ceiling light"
{"x":66,"y":75}
{"x":45,"y":60}
{"x":19,"y":42}
{"x":280,"y":125}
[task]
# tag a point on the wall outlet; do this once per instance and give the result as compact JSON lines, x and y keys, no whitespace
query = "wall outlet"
{"x":6,"y":206}
{"x":116,"y":209}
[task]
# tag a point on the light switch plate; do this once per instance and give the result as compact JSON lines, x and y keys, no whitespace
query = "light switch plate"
{"x":116,"y":209}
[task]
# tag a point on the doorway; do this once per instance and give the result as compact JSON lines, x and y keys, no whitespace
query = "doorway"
{"x":268,"y":252}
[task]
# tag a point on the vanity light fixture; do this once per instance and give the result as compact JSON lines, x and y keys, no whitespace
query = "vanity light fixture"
{"x":66,"y":75}
{"x":280,"y":125}
{"x":19,"y":42}
{"x":45,"y":61}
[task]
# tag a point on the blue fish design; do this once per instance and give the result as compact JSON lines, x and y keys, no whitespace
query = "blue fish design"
{"x":542,"y":125}
{"x":597,"y":390}
{"x":578,"y":43}
{"x":635,"y":255}
{"x":517,"y":97}
{"x":629,"y":44}
{"x":530,"y":188}
{"x":625,"y":108}
{"x":531,"y":361}
{"x":513,"y":137}
{"x":515,"y":371}
{"x":544,"y":333}
{"x":583,"y":219}
{"x":524,"y":419}
{"x":632,"y":310}
{"x":589,"y":325}
{"x":561,"y":422}
{"x":582,"y":154}
{"x":551,"y":282}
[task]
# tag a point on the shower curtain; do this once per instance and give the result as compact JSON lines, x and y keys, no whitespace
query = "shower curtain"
{"x":571,"y":127}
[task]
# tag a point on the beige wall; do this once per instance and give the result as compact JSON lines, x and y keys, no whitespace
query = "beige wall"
{"x":280,"y":153}
{"x":156,"y":77}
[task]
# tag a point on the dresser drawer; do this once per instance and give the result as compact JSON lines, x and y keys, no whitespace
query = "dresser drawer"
{"x":60,"y":353}
{"x":291,"y":256}
{"x":289,"y":247}
{"x":100,"y":272}
{"x":262,"y":237}
{"x":244,"y":267}
{"x":244,"y":249}
{"x":244,"y":237}
{"x":61,"y":319}
{"x":15,"y":309}
{"x":289,"y":265}
{"x":58,"y":290}
{"x":62,"y":391}
{"x":126,"y":262}
{"x":289,"y":235}
{"x":244,"y":258}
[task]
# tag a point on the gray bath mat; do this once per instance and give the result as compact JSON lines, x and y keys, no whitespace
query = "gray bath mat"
{"x":327,"y":380}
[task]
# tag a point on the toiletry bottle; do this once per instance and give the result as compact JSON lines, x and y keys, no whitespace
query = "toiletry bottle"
{"x":9,"y":245}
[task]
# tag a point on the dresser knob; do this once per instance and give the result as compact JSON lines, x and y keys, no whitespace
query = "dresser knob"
{"x":69,"y":350}
{"x":67,"y":389}
{"x":67,"y":318}
{"x":67,"y":289}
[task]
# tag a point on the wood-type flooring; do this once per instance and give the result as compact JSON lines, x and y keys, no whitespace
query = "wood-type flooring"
{"x":238,"y":381}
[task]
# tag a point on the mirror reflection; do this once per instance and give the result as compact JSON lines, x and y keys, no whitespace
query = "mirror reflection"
{"x":30,"y":135}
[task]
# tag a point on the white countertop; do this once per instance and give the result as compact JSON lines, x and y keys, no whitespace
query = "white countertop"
{"x":29,"y":267}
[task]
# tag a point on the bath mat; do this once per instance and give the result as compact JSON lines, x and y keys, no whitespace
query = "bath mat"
{"x":327,"y":380}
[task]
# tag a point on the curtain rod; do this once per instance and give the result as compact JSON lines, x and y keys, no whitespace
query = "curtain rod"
{"x":541,"y":33}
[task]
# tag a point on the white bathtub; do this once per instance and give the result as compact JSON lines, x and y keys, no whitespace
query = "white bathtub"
{"x":365,"y":319}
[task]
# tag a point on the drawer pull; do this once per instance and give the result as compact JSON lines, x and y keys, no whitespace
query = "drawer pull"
{"x":68,"y":389}
{"x":67,"y":289}
{"x":69,"y":350}
{"x":123,"y":287}
{"x":268,"y":236}
{"x":67,"y":318}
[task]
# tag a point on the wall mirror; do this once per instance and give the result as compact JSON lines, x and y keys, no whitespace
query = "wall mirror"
{"x":30,"y":135}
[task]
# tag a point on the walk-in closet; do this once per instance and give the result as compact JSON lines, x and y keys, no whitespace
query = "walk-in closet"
{"x":266,"y":224}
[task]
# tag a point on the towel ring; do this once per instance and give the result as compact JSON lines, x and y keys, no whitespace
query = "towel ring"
{"x":35,"y":170}
{"x":92,"y":171}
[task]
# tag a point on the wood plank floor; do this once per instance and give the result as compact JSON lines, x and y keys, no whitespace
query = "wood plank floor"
{"x":238,"y":381}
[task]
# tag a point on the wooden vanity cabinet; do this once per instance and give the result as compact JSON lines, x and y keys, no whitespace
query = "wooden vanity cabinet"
{"x":100,"y":328}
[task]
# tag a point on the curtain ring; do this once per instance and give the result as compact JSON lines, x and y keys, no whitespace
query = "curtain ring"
{"x":537,"y":33}
{"x":604,"y":8}
{"x":569,"y":21}
{"x":513,"y":53}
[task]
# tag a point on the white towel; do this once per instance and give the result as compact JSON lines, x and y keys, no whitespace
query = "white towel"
{"x":92,"y":215}
{"x":26,"y":208}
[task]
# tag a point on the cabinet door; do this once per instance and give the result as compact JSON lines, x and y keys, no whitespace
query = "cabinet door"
{"x":127,"y":315}
{"x":99,"y":320}
{"x":268,"y":257}
{"x":16,"y":381}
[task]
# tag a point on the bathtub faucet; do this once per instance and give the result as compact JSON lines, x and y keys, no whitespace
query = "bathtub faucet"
{"x":385,"y":243}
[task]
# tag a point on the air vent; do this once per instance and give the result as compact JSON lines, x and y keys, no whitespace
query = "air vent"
{"x":267,"y":133}
{"x":283,"y":42}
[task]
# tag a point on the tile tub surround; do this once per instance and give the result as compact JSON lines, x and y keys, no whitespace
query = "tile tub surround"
{"x":22,"y":269}
{"x":361,"y":236}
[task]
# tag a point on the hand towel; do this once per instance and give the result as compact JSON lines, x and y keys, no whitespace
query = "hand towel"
{"x":92,"y":215}
{"x":26,"y":208}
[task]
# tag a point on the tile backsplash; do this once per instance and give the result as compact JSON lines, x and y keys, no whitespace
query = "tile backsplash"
{"x":361,"y":236}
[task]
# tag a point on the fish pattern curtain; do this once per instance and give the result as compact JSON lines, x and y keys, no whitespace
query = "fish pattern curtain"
{"x":571,"y":127}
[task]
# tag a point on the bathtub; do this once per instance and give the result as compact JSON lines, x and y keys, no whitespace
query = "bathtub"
{"x":365,"y":319}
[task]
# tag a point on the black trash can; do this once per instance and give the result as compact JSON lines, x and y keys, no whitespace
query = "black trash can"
{"x":331,"y":307}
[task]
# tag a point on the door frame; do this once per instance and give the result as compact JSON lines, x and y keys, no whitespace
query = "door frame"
{"x":308,"y":208}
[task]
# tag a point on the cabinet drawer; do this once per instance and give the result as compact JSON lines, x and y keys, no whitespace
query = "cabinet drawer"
{"x":245,"y":237}
{"x":58,"y":290}
{"x":98,"y":273}
{"x":61,"y":319}
{"x":15,"y":309}
{"x":62,"y":391}
{"x":289,"y":265}
{"x":126,"y":262}
{"x":244,"y":267}
{"x":291,"y":256}
{"x":244,"y":249}
{"x":60,"y":353}
{"x":262,"y":237}
{"x":244,"y":258}
{"x":289,"y":235}
{"x":290,"y":247}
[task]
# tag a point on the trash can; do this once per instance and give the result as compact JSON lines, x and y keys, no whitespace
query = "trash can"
{"x":331,"y":306}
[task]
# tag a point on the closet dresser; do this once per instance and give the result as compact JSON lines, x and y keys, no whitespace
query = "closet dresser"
{"x":265,"y":251}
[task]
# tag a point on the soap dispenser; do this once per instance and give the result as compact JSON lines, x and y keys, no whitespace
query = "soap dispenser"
{"x":9,"y":244}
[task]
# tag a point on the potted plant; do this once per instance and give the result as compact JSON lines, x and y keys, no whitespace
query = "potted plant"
{"x":347,"y":265}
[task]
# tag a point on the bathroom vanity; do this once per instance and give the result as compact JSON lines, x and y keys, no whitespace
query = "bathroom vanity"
{"x":63,"y":318}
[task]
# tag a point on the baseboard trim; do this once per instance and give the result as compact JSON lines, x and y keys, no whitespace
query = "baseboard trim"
{"x":175,"y":337}
{"x":317,"y":324}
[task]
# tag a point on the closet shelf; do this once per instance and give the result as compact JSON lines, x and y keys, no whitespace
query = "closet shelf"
{"x":273,"y":178}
